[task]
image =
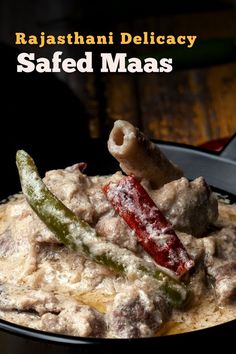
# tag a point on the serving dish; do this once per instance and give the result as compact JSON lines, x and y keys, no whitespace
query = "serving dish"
{"x":219,"y":171}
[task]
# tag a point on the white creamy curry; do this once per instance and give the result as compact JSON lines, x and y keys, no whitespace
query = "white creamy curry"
{"x":46,"y":285}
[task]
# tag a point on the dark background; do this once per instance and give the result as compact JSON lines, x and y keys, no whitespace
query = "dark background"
{"x":50,"y":114}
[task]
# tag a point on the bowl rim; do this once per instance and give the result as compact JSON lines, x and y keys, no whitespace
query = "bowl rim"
{"x":51,"y":337}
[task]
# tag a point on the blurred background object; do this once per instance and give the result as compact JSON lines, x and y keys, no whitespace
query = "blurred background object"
{"x":193,"y":104}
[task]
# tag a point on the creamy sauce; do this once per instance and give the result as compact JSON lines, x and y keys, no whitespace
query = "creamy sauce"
{"x":45,"y":286}
{"x":205,"y":314}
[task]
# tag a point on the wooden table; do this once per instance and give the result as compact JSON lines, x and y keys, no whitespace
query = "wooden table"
{"x":186,"y":106}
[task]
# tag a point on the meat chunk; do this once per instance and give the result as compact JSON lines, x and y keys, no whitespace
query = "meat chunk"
{"x":190,"y":206}
{"x":225,"y":282}
{"x":70,"y":187}
{"x":226,"y":244}
{"x":220,"y":245}
{"x":135,"y":314}
{"x":75,"y":320}
{"x":220,"y":262}
{"x":25,"y":299}
{"x":80,"y":193}
{"x":227,"y":214}
{"x":116,"y":231}
{"x":7,"y":244}
{"x":194,"y":246}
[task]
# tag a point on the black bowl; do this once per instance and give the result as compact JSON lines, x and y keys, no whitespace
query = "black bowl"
{"x":220,"y":172}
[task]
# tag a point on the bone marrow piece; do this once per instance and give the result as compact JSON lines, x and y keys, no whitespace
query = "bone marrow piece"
{"x":139,"y":156}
